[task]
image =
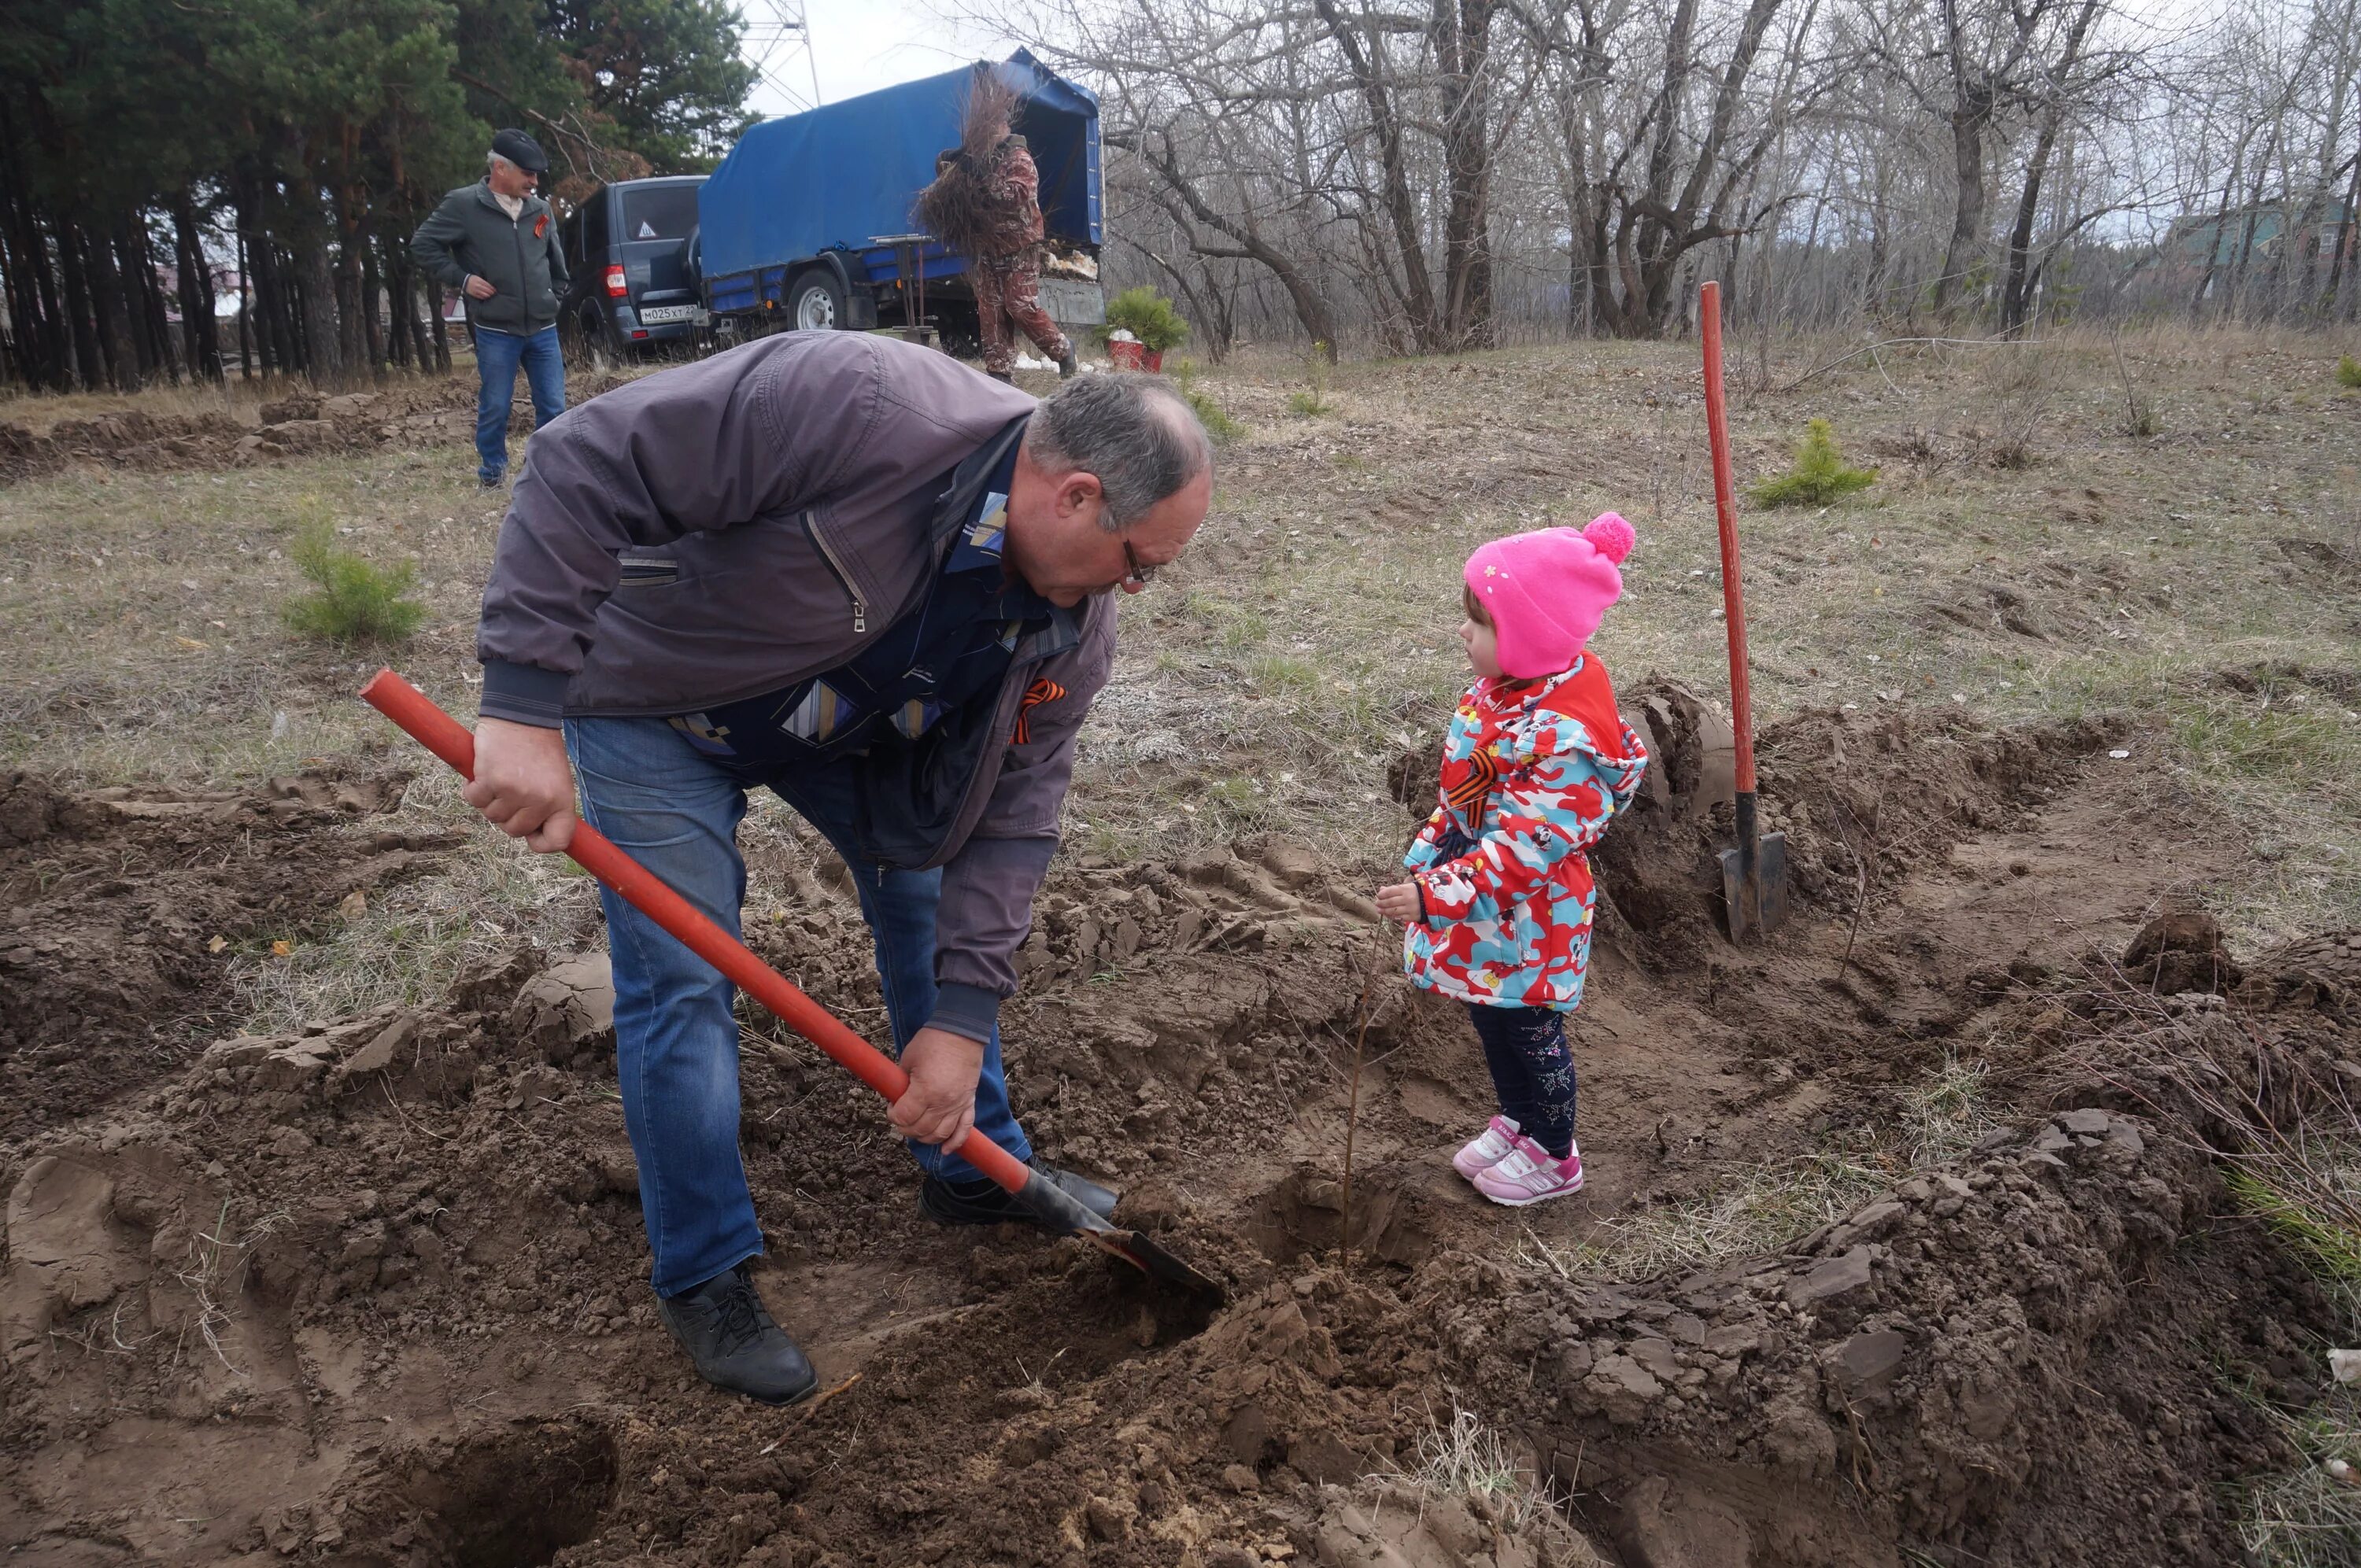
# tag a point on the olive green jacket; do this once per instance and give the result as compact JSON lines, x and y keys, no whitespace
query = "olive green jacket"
{"x":518,"y":256}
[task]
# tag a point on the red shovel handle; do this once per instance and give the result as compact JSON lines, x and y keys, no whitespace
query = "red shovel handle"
{"x":594,"y":852}
{"x":1725,"y":507}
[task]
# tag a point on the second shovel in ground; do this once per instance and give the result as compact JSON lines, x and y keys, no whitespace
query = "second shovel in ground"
{"x":1754,"y":871}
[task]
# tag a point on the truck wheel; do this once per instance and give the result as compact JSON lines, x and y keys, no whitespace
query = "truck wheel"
{"x":817,"y":303}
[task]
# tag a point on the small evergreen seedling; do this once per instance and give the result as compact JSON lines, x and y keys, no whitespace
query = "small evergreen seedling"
{"x":1316,"y":370}
{"x":2348,"y":372}
{"x":353,"y":600}
{"x":1218,"y":424}
{"x":1818,"y":477}
{"x":1147,"y":316}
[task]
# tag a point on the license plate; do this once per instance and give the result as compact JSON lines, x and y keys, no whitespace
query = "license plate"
{"x":657,"y":315}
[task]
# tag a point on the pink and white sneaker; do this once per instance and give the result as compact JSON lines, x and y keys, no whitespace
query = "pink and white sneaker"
{"x":1487,"y":1150}
{"x":1529,"y":1173}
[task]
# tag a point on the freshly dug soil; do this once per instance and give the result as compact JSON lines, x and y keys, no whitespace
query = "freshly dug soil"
{"x":405,"y":412}
{"x":121,"y":911}
{"x":375,"y":1294}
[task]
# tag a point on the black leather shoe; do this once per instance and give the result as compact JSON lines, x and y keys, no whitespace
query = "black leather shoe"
{"x":735,"y":1343}
{"x":1066,"y":366}
{"x":981,"y":1202}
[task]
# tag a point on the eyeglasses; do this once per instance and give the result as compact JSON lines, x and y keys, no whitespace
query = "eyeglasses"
{"x":1139,"y":574}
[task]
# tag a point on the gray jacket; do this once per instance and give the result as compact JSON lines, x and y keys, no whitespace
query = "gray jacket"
{"x":732,"y":526}
{"x":519,"y":257}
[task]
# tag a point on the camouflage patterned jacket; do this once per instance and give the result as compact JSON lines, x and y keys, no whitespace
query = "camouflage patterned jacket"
{"x":1013,"y":187}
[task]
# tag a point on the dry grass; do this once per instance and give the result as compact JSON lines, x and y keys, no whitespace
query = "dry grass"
{"x":42,"y":411}
{"x":141,"y":612}
{"x":1764,"y":1208}
{"x":1465,"y":1461}
{"x":414,"y":939}
{"x":2311,"y":1517}
{"x":1760,"y":1209}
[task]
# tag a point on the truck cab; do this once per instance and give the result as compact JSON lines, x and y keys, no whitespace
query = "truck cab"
{"x":807,"y":224}
{"x":631,"y":248}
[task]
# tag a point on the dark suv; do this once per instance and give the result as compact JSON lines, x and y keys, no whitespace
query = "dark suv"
{"x":631,"y":248}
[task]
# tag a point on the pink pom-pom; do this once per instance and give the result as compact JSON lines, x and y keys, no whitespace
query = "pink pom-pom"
{"x":1610,"y":536}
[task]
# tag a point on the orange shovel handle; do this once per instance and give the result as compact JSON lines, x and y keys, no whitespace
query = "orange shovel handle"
{"x":1725,"y":510}
{"x":596,"y":853}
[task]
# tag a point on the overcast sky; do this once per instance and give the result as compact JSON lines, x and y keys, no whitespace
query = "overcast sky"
{"x":859,"y":46}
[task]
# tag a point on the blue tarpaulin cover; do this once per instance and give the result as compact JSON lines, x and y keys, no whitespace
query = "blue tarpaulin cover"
{"x":837,"y":176}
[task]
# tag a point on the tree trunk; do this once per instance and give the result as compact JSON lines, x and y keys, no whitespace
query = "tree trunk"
{"x":114,"y":312}
{"x":397,"y":309}
{"x":2016,"y":301}
{"x":2342,"y":277}
{"x":372,"y":344}
{"x":2016,"y":297}
{"x":2246,"y":229}
{"x":283,"y":312}
{"x":81,"y":317}
{"x":421,"y":351}
{"x":200,"y":329}
{"x":442,"y":337}
{"x":270,"y":339}
{"x":245,"y":309}
{"x":2214,"y":231}
{"x":1970,"y":119}
{"x":315,"y":293}
{"x":353,"y":334}
{"x":40,"y":325}
{"x":1365,"y":67}
{"x":152,"y":328}
{"x":1462,"y":40}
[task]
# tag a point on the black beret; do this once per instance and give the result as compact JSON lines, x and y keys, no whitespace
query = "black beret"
{"x":522,"y":150}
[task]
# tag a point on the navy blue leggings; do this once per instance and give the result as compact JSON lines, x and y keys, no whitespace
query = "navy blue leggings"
{"x":1533,"y":1070}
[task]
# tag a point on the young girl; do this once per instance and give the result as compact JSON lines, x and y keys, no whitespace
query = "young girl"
{"x":1499,"y":912}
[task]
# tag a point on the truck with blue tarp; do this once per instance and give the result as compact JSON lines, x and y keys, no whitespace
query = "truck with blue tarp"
{"x":808,"y":223}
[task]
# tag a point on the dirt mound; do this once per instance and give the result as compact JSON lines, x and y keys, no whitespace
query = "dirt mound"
{"x":372,"y":1292}
{"x":1902,"y":1381}
{"x":1861,"y":798}
{"x":412,"y":413}
{"x":133,"y":438}
{"x":120,"y":912}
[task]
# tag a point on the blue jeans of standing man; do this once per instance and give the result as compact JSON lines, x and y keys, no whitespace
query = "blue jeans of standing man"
{"x":498,"y":354}
{"x":675,"y":810}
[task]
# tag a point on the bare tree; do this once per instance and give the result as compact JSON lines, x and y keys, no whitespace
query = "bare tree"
{"x":1432,"y":175}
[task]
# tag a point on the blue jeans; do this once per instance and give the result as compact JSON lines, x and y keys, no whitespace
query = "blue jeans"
{"x":497,"y":355}
{"x":675,"y":810}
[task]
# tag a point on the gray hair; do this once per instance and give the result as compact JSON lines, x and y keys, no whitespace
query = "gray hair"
{"x":1136,"y":435}
{"x":493,"y":160}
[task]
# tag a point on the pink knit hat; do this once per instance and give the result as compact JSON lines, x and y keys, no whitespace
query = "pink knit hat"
{"x":1545,"y":591}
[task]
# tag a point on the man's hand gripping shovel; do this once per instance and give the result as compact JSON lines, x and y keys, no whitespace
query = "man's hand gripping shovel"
{"x":1059,"y":1210}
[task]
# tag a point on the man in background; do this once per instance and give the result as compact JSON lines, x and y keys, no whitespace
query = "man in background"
{"x":985,"y":203}
{"x":495,"y":242}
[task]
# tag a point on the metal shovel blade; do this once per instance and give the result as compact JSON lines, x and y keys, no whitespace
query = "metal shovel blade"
{"x":1755,"y":905}
{"x":1066,"y":1215}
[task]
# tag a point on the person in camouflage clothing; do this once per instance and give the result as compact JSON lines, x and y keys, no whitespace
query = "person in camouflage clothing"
{"x":1006,"y":274}
{"x":985,"y":203}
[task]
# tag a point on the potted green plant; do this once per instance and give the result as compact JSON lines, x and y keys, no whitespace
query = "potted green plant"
{"x":1152,"y":324}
